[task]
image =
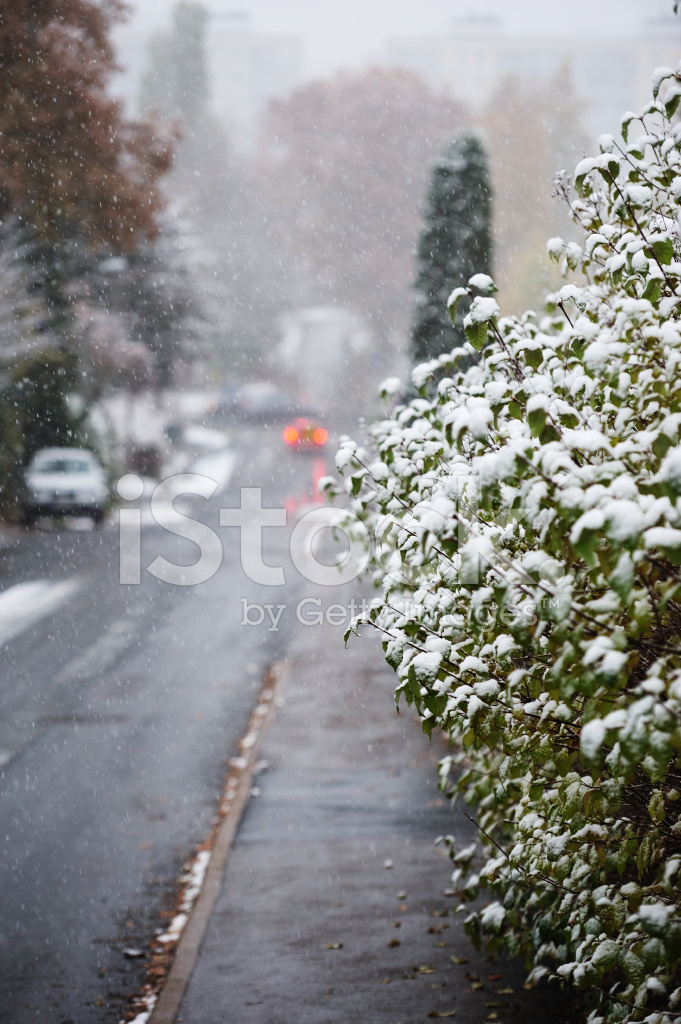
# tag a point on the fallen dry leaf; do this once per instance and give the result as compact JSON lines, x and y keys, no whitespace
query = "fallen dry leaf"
{"x":334,"y":945}
{"x":393,"y":943}
{"x":494,"y":977}
{"x":459,"y":959}
{"x":441,"y":1013}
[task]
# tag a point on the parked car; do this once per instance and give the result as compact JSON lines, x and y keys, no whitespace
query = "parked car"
{"x":65,"y":481}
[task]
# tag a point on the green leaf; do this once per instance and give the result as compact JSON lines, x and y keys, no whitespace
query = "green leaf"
{"x":653,"y":290}
{"x":643,"y":855}
{"x":605,"y":955}
{"x":633,"y":967}
{"x":661,"y":446}
{"x":536,"y":421}
{"x":672,"y":103}
{"x":533,"y":357}
{"x":652,"y":954}
{"x":476,"y":334}
{"x":356,"y":483}
{"x":549,"y":434}
{"x":586,"y":546}
{"x":354,"y":628}
{"x":663,"y":248}
{"x":622,"y":579}
{"x":626,"y":121}
{"x":394,"y":653}
{"x":656,"y":806}
{"x":453,"y":301}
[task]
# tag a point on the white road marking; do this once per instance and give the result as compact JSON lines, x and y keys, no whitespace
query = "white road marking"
{"x":101,"y":654}
{"x":24,"y":604}
{"x":217,"y":466}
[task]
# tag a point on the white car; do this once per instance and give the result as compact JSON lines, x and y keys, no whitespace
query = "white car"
{"x":65,"y":481}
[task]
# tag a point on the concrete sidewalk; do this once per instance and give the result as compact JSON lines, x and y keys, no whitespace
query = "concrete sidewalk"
{"x":331,"y":910}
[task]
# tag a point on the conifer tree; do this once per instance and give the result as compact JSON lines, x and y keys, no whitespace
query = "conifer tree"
{"x":176,"y":82}
{"x":455,"y":242}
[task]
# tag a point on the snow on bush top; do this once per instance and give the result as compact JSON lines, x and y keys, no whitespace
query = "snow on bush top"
{"x":530,"y":556}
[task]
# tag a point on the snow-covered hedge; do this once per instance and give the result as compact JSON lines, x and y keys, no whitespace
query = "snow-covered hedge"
{"x":527,"y":516}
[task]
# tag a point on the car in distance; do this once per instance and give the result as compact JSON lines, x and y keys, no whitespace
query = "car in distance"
{"x":263,"y":402}
{"x":305,"y":434}
{"x":65,"y":481}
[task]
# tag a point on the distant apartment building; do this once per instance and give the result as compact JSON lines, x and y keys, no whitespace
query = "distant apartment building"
{"x":612,"y":74}
{"x":246,"y":70}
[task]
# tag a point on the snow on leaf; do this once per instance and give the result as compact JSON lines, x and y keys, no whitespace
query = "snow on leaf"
{"x":585,"y":440}
{"x":591,"y":740}
{"x":483,"y":282}
{"x":390,"y":386}
{"x":605,"y":955}
{"x":483,"y":310}
{"x":664,"y":537}
{"x":670,"y":472}
{"x":493,"y":917}
{"x":344,"y":457}
{"x":623,"y":520}
{"x":658,"y":76}
{"x":426,"y":666}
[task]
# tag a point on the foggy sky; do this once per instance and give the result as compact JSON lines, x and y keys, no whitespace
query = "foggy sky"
{"x":350,"y":32}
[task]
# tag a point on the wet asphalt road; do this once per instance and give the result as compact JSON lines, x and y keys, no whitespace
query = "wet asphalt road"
{"x":118,"y":711}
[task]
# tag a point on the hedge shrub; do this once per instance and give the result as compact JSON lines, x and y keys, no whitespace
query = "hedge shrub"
{"x":527,"y":520}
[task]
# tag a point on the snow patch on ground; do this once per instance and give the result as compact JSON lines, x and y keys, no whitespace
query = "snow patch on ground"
{"x":217,"y":466}
{"x":149,"y":1002}
{"x":24,"y":604}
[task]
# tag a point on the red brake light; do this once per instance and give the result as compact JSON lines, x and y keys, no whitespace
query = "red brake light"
{"x":320,"y":436}
{"x":290,"y":435}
